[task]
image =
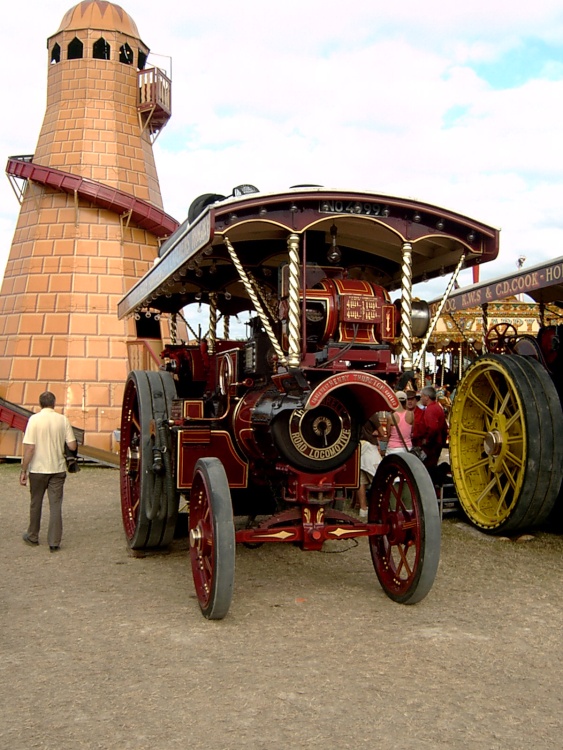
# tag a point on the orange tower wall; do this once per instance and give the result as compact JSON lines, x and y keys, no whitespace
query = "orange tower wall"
{"x":71,"y":261}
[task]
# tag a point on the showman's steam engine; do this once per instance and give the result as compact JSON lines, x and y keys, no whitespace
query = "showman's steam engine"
{"x":257,"y":438}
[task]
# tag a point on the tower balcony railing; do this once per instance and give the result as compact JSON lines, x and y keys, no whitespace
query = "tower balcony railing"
{"x":155,"y":98}
{"x":27,"y":158}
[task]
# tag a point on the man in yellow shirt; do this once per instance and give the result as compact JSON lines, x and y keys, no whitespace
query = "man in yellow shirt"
{"x":43,"y":456}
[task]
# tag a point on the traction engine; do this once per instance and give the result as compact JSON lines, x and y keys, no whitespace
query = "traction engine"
{"x":259,"y":438}
{"x":507,"y":421}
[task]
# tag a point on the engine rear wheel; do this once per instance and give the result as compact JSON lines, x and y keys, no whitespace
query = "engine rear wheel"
{"x":212,"y":538}
{"x":406,"y":557}
{"x":505,"y":443}
{"x":149,"y":501}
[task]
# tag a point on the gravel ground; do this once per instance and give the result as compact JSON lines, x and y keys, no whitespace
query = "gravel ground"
{"x":100,"y":649}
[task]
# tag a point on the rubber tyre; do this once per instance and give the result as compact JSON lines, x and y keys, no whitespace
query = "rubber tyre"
{"x":406,"y":557}
{"x":212,"y":538}
{"x":199,"y":204}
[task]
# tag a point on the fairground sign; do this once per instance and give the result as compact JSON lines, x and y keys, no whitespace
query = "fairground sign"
{"x":532,"y":282}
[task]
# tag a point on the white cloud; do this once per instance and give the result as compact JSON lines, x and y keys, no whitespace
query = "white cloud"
{"x":366,"y":94}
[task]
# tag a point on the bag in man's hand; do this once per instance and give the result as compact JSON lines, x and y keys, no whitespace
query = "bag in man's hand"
{"x":417,"y":451}
{"x":71,"y":458}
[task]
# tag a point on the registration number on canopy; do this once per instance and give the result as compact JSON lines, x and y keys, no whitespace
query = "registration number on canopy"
{"x":352,"y":207}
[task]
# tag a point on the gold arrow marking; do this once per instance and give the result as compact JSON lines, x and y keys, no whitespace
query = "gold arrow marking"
{"x":278,"y":535}
{"x":340,"y":532}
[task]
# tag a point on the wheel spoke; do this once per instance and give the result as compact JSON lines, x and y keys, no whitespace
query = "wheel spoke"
{"x":481,"y":404}
{"x":397,"y":491}
{"x":516,"y":460}
{"x":404,"y":562}
{"x":476,"y":433}
{"x":507,"y":474}
{"x":494,"y":386}
{"x":504,"y":403}
{"x":516,"y":441}
{"x":512,"y":420}
{"x":477,"y":464}
{"x":485,"y":492}
{"x":512,"y":472}
{"x":501,"y":500}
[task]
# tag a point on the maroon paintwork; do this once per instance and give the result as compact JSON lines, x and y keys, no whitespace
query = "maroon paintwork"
{"x":277,"y":431}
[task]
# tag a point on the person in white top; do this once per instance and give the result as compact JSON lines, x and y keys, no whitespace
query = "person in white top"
{"x":399,"y":427}
{"x":43,"y":456}
{"x":370,"y":459}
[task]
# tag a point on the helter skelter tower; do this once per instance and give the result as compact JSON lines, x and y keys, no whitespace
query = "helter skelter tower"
{"x":90,"y":223}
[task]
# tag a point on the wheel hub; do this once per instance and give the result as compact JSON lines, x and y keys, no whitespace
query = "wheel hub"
{"x":132,"y":461}
{"x":492,"y":444}
{"x":397,"y":532}
{"x":195,"y":536}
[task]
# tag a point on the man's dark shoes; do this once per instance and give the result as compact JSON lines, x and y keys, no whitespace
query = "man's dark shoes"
{"x":29,"y":541}
{"x":54,"y":549}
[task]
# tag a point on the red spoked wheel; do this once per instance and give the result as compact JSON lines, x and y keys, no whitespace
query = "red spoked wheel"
{"x":501,"y":338}
{"x":212,"y":538}
{"x":149,"y":501}
{"x":405,"y":558}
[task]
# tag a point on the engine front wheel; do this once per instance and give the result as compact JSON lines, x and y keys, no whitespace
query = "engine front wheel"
{"x":212,"y":538}
{"x":406,"y":557}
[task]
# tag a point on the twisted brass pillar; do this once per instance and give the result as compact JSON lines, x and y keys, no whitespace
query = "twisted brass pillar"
{"x":294,"y":315}
{"x":485,"y":318}
{"x":256,"y":302}
{"x":439,"y":309}
{"x":212,"y":335}
{"x":406,"y":308}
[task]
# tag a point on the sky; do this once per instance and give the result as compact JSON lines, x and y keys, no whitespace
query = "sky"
{"x":457,"y":104}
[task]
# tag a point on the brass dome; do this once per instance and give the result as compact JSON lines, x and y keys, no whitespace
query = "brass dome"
{"x":99,"y":14}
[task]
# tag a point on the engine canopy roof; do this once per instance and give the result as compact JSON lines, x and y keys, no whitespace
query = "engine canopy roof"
{"x":368,"y":228}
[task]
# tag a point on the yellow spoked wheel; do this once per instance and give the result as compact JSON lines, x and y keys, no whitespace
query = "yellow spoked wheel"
{"x":505,"y":443}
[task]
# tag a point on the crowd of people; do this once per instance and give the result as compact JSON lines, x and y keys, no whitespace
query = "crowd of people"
{"x":418,"y":426}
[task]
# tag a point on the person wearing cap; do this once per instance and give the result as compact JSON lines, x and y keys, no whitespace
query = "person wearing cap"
{"x":399,"y":426}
